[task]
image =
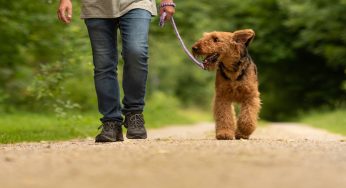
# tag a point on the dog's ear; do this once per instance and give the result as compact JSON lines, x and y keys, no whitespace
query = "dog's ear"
{"x":244,"y":36}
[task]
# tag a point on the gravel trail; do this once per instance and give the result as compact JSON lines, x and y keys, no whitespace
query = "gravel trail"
{"x":279,"y":155}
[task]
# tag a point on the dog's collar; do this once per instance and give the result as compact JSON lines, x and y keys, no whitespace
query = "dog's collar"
{"x":224,"y":70}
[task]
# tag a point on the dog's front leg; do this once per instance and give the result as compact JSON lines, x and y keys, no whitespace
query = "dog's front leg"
{"x":247,"y":119}
{"x":224,"y":118}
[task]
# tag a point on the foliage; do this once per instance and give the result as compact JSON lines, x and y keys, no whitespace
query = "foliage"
{"x":36,"y":55}
{"x":320,"y":26}
{"x":300,"y":49}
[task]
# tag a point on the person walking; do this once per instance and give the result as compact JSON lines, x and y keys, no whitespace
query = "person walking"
{"x":103,"y":18}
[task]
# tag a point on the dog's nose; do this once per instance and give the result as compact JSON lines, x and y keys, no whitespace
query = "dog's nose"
{"x":195,"y":49}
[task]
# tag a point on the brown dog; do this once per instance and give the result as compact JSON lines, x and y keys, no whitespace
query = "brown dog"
{"x":236,"y":81}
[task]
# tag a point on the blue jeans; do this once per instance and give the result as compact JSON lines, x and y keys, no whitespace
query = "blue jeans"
{"x":134,"y":28}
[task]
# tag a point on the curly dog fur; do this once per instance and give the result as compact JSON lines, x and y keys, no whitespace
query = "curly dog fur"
{"x":236,"y":81}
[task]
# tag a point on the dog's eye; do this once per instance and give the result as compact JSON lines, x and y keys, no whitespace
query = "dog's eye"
{"x":215,"y":39}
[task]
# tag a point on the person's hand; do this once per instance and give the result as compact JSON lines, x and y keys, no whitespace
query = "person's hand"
{"x":65,"y":11}
{"x":170,"y":10}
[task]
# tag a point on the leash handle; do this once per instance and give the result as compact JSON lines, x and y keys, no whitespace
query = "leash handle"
{"x":162,"y":23}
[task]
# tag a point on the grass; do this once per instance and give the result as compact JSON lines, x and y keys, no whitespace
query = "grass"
{"x":161,"y":110}
{"x":333,"y":121}
{"x":28,"y":127}
{"x":38,"y":127}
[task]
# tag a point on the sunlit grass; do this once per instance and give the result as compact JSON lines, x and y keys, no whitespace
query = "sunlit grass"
{"x":38,"y":127}
{"x":334,"y":121}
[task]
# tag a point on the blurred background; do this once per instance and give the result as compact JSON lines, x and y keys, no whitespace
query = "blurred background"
{"x":46,"y":71}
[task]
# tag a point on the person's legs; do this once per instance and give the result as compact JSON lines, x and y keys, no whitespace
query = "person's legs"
{"x":134,"y":28}
{"x":103,"y":36}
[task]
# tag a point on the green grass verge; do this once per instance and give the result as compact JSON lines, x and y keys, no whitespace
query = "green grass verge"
{"x":334,"y":121}
{"x":161,"y":110}
{"x":38,"y":127}
{"x":27,"y":127}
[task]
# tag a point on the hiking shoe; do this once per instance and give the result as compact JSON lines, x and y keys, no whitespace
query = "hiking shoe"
{"x":111,"y":132}
{"x":134,"y":122}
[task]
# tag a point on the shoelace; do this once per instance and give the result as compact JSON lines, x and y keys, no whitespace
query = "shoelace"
{"x":106,"y":126}
{"x":135,"y":121}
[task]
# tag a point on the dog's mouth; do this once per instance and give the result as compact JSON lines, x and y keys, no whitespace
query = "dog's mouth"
{"x":210,"y":59}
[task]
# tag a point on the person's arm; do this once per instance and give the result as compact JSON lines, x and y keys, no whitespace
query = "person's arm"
{"x":65,"y":11}
{"x":170,"y":10}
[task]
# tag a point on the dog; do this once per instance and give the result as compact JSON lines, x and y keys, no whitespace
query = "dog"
{"x":236,"y":81}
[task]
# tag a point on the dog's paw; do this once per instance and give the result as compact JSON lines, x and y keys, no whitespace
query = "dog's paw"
{"x":225,"y":135}
{"x":239,"y":136}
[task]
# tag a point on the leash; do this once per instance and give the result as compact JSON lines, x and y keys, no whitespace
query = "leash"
{"x":162,"y":23}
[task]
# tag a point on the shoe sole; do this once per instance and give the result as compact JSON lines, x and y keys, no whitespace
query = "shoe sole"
{"x":102,"y":138}
{"x":144,"y":136}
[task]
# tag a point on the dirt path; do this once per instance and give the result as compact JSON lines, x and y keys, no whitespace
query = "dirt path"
{"x":277,"y":156}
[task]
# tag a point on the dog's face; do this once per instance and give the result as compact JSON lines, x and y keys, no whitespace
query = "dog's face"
{"x":226,"y":47}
